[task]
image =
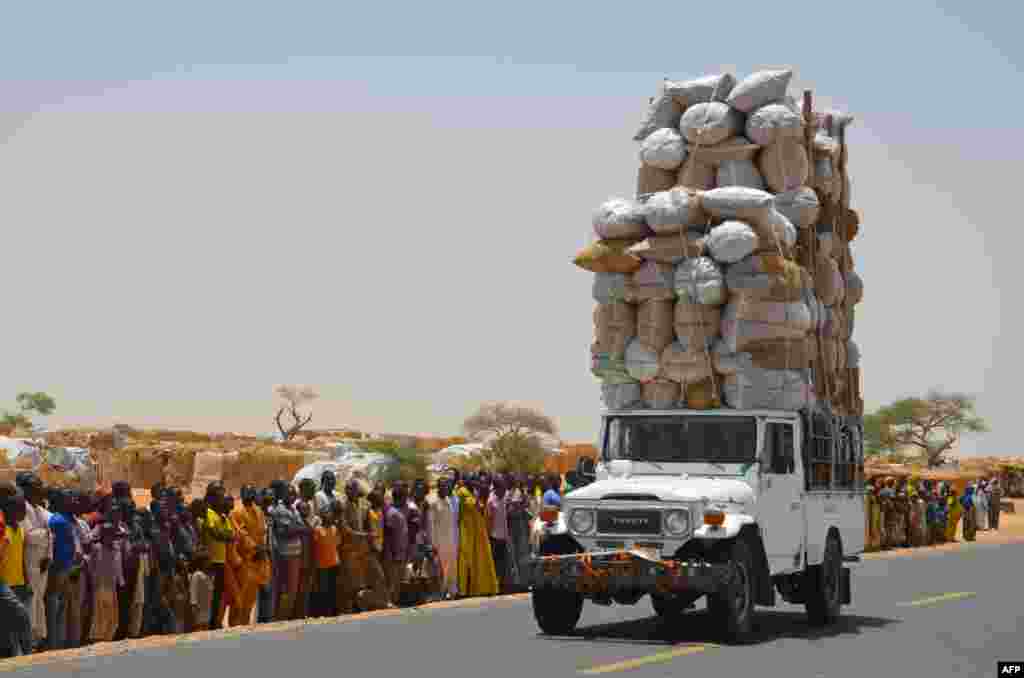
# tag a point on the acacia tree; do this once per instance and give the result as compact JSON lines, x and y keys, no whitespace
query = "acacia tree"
{"x":29,"y":404}
{"x":294,"y":397}
{"x":932,"y":424}
{"x":512,"y":434}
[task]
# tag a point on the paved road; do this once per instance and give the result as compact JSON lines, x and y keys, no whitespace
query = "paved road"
{"x":944,"y":614}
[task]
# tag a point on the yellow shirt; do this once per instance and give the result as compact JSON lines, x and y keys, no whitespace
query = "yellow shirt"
{"x":12,"y":567}
{"x":217,"y":526}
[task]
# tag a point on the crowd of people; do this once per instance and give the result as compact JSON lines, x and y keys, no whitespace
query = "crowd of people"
{"x":79,"y":568}
{"x":907,"y":513}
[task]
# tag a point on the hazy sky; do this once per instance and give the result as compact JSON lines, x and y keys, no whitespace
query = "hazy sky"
{"x":203,"y":200}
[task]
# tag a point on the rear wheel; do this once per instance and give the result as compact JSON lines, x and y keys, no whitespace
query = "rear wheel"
{"x":824,"y":585}
{"x":732,"y":607}
{"x":557,"y":611}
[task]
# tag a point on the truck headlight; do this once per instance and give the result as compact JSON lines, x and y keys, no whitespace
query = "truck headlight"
{"x":677,"y":522}
{"x":581,"y":521}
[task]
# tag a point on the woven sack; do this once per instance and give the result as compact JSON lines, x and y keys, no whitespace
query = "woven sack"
{"x":620,"y":218}
{"x":701,"y":90}
{"x":642,"y":362}
{"x":696,"y":325}
{"x":650,"y":180}
{"x":652,"y":281}
{"x":669,"y":212}
{"x":731,"y":242}
{"x":759,"y":89}
{"x":800,"y":206}
{"x":696,"y":174}
{"x":736,"y":148}
{"x":773,"y":122}
{"x":686,"y":364}
{"x":608,"y":256}
{"x":621,"y":396}
{"x":614,"y":326}
{"x":739,"y":173}
{"x":655,"y":324}
{"x":664,"y":149}
{"x":784,"y":165}
{"x":702,"y":395}
{"x":710,"y":123}
{"x":661,"y":394}
{"x":670,"y":249}
{"x":699,"y":280}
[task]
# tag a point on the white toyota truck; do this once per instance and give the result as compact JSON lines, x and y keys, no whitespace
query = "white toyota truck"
{"x":734,"y":505}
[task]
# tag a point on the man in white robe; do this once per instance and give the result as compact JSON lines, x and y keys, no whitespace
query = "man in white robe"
{"x":38,"y":549}
{"x":444,"y":526}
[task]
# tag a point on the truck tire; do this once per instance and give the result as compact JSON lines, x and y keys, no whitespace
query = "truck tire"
{"x":557,"y":611}
{"x":732,"y":608}
{"x":824,"y":590}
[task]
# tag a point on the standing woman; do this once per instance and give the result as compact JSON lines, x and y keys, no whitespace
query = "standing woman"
{"x":981,"y":504}
{"x":953,"y":512}
{"x":288,"y":528}
{"x":970,"y":520}
{"x":477,"y":576}
{"x":217,"y":534}
{"x":251,"y":530}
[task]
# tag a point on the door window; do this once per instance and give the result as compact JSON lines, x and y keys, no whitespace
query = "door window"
{"x":778,"y":445}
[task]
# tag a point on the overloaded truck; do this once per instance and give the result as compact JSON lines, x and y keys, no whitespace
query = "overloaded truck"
{"x":740,"y":507}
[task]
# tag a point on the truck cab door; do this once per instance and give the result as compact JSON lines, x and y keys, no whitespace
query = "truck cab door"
{"x":781,"y":497}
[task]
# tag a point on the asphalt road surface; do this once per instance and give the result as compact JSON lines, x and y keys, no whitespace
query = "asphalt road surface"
{"x":934,"y":614}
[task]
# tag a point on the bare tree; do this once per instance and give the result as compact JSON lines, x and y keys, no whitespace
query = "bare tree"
{"x":294,"y":398}
{"x":513,"y":435}
{"x":932,"y":424}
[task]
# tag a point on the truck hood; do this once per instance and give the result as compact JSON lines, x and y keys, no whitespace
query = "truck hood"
{"x":681,"y":488}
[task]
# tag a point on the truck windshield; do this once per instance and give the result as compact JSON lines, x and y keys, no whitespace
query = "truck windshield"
{"x":670,"y":439}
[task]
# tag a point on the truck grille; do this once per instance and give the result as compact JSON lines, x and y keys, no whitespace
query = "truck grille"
{"x":628,"y":522}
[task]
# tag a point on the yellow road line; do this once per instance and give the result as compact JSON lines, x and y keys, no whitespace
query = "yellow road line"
{"x":656,"y":658}
{"x":945,"y":597}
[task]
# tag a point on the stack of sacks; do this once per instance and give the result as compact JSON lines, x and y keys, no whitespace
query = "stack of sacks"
{"x":730,"y":273}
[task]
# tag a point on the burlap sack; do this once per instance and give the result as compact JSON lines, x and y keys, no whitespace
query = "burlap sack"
{"x":650,"y":180}
{"x":670,"y":249}
{"x":768,"y":389}
{"x":773,"y":122}
{"x":781,"y":354}
{"x":654,"y":325}
{"x":661,"y":394}
{"x":685,"y":364}
{"x":731,"y":242}
{"x":614,"y":326}
{"x":827,"y":243}
{"x":850,"y":318}
{"x":699,"y":280}
{"x":747,"y":322}
{"x":739,"y":173}
{"x":700,"y":90}
{"x":642,"y":362}
{"x":620,"y":219}
{"x":784,"y":165}
{"x":737,"y":148}
{"x":801,"y":206}
{"x":828,"y":282}
{"x":726,"y":362}
{"x":759,"y":89}
{"x":826,"y":179}
{"x":829,"y":354}
{"x":702,"y":395}
{"x":610,"y":369}
{"x":608,"y":256}
{"x":669,"y":212}
{"x":767,"y":277}
{"x":664,"y":149}
{"x":831,"y":326}
{"x":696,"y":325}
{"x":849,"y":224}
{"x":652,"y":281}
{"x":711,"y":123}
{"x":621,"y":396}
{"x":845,"y":257}
{"x":696,"y":173}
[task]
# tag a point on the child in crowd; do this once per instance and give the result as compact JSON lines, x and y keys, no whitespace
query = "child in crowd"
{"x":325,"y":546}
{"x":201,"y":592}
{"x":108,"y":576}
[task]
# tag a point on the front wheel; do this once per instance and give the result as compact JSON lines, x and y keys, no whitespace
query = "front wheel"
{"x":824,"y":590}
{"x":557,"y":611}
{"x":732,"y":607}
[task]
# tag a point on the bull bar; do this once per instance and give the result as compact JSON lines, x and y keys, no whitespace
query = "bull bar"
{"x":608,"y":572}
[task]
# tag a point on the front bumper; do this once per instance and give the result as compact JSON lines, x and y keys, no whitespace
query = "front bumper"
{"x":609,"y":572}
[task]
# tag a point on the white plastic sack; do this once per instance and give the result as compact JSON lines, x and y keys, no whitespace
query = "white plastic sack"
{"x":710,"y":123}
{"x":652,"y":281}
{"x":663,"y":111}
{"x":609,"y":288}
{"x":760,"y":89}
{"x":852,"y":354}
{"x":621,"y":396}
{"x":620,"y":218}
{"x":728,"y":362}
{"x":755,"y":388}
{"x":739,"y":173}
{"x":641,"y":361}
{"x":770,"y":123}
{"x":801,"y":206}
{"x":745,"y":322}
{"x":669,"y":212}
{"x":731,"y":241}
{"x":701,"y":90}
{"x":700,"y":281}
{"x":782,"y":230}
{"x":664,"y":149}
{"x":737,"y":202}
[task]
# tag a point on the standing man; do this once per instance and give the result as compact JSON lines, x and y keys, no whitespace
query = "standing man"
{"x":995,"y":498}
{"x":497,"y":523}
{"x":288,"y":528}
{"x":326,"y":496}
{"x":251,"y":530}
{"x":396,"y":542}
{"x":444,"y":526}
{"x":38,"y":549}
{"x":58,"y":586}
{"x":15,"y":594}
{"x":217,"y":534}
